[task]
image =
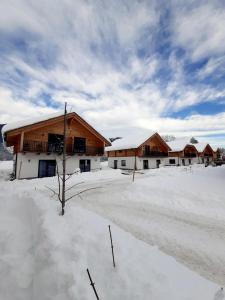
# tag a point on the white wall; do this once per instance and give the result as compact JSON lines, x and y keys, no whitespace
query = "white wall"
{"x":167,"y":161}
{"x":194,"y":160}
{"x":28,"y":163}
{"x":130,"y":162}
{"x":151,"y":162}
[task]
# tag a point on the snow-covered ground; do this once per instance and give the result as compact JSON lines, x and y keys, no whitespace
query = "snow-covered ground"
{"x":177,"y":210}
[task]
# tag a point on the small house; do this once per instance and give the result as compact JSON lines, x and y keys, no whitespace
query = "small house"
{"x":182,"y":153}
{"x":38,"y":145}
{"x":139,"y":151}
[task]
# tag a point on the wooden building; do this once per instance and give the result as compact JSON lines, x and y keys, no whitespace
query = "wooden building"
{"x":182,"y":153}
{"x":38,"y":145}
{"x":186,"y":153}
{"x":138,"y":151}
{"x":205,"y":153}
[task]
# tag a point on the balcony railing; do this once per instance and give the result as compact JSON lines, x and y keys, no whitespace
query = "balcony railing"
{"x":154,"y":154}
{"x":189,"y":155}
{"x":208,"y":155}
{"x":45,"y":147}
{"x":90,"y":150}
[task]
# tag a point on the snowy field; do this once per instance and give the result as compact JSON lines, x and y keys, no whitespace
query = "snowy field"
{"x":168,"y":231}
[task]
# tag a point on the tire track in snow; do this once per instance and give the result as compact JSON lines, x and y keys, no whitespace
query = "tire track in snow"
{"x":195,"y":240}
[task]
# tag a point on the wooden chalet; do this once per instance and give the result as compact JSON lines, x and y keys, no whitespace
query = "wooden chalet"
{"x":205,"y":152}
{"x":38,"y":145}
{"x":182,"y":152}
{"x":138,"y":151}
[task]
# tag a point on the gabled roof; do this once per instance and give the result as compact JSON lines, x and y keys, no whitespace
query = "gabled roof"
{"x":215,"y":148}
{"x":180,"y":143}
{"x":132,"y":141}
{"x":201,"y":146}
{"x":27,"y":123}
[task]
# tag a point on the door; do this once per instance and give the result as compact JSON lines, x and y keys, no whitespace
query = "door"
{"x":183,"y":162}
{"x":145,"y":164}
{"x":158,"y":162}
{"x":85,"y":165}
{"x":46,"y":168}
{"x":115,"y":164}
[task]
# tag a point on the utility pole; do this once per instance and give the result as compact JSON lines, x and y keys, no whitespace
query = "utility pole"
{"x":64,"y":162}
{"x":135,"y":164}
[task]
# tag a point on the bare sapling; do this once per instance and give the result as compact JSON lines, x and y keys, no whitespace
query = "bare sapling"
{"x":110,"y":234}
{"x":62,"y":190}
{"x":93,"y":285}
{"x":134,"y":166}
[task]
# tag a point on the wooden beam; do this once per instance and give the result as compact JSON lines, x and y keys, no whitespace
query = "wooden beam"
{"x":21,"y":141}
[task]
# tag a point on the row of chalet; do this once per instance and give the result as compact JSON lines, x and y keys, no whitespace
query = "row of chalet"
{"x":141,"y":152}
{"x":38,"y":146}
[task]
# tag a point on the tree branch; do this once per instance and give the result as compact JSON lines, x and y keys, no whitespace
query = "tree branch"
{"x":59,"y":184}
{"x":74,"y":186}
{"x":94,"y":188}
{"x":54,"y":192}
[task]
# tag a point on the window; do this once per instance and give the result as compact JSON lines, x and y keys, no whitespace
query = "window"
{"x":46,"y":168}
{"x":146,"y":150}
{"x":123,"y":163}
{"x":79,"y":145}
{"x":172,"y":161}
{"x":55,"y":143}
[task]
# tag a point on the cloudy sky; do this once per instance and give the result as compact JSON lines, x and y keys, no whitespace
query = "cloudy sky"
{"x":123,"y":65}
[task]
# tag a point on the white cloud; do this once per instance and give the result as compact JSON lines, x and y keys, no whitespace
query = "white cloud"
{"x":93,"y":55}
{"x":198,"y":27}
{"x":12,"y":109}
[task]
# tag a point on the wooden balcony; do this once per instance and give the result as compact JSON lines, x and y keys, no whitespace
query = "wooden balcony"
{"x":189,"y":155}
{"x":207,"y":155}
{"x":45,"y":147}
{"x":153,"y":154}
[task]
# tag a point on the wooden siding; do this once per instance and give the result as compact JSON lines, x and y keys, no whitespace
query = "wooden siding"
{"x":208,"y":151}
{"x":155,"y":143}
{"x":74,"y":129}
{"x":189,"y":151}
{"x":122,"y":153}
{"x":176,"y":154}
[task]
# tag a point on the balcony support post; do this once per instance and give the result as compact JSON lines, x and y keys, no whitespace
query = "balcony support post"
{"x":21,"y":141}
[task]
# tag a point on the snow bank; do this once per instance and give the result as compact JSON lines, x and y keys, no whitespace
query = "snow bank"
{"x":79,"y":240}
{"x":6,"y":168}
{"x":45,"y":256}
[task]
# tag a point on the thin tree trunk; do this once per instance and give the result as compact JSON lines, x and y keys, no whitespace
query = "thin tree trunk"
{"x":64,"y":163}
{"x":134,"y":166}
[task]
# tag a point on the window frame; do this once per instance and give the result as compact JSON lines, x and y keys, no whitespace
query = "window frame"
{"x":123,"y":163}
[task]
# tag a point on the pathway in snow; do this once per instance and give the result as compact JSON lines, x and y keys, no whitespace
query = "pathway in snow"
{"x":16,"y":246}
{"x":192,"y":235}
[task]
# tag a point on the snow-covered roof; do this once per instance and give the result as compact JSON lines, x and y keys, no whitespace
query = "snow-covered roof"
{"x":180,"y":143}
{"x":28,"y":122}
{"x":200,"y":146}
{"x":130,"y":142}
{"x":215,"y":148}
